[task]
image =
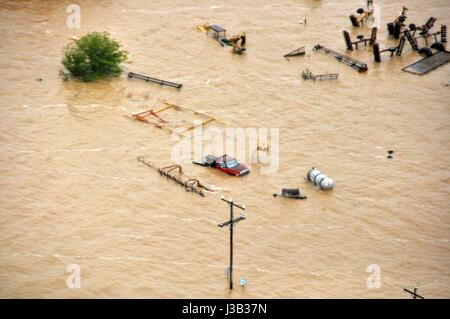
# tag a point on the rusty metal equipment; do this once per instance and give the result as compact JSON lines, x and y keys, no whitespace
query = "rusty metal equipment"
{"x":349,"y":43}
{"x":353,"y":63}
{"x":142,"y":116}
{"x":175,"y":173}
{"x":410,"y":36}
{"x":364,"y":14}
{"x":424,"y":33}
{"x":296,"y":52}
{"x":219,"y":33}
{"x":397,"y":50}
{"x":307,"y":75}
{"x":238,"y":42}
{"x":395,"y":27}
{"x":160,"y":122}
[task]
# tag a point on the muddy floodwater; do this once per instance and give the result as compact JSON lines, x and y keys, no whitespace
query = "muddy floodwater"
{"x":72,"y":193}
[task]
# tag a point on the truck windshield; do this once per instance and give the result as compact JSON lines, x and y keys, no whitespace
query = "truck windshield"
{"x":232,"y":163}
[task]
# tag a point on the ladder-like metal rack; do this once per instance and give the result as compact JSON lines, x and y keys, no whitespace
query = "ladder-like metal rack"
{"x":328,"y":76}
{"x":353,"y":63}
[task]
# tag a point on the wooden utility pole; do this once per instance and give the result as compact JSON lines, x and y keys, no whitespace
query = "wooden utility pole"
{"x":231,"y":223}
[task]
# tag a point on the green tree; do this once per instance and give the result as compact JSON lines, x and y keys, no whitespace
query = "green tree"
{"x":94,"y":56}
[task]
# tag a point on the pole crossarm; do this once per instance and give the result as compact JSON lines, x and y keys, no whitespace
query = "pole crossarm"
{"x":234,"y":221}
{"x":230,"y":202}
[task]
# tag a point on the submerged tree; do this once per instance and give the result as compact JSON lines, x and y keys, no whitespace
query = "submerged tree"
{"x":94,"y":56}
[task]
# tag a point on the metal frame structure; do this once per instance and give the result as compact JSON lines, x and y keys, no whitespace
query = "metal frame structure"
{"x":154,"y":80}
{"x":353,"y":63}
{"x":363,"y":14}
{"x":161,"y":122}
{"x":296,"y":52}
{"x":191,"y":184}
{"x":349,"y":43}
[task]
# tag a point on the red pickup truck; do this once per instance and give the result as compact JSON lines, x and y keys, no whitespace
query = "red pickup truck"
{"x":225,"y":164}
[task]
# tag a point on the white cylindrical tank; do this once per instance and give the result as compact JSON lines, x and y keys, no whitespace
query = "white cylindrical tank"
{"x":319,"y":178}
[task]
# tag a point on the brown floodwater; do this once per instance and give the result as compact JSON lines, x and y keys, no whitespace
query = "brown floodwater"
{"x":72,"y":191}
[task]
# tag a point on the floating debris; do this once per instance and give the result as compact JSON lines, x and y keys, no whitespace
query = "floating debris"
{"x":291,"y":193}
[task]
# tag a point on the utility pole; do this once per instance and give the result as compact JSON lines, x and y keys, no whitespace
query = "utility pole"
{"x":231,"y":223}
